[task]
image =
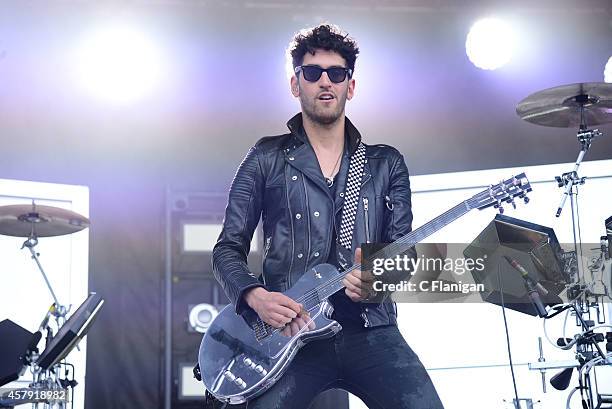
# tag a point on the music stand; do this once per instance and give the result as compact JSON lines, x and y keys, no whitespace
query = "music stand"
{"x":535,"y":247}
{"x":71,"y":332}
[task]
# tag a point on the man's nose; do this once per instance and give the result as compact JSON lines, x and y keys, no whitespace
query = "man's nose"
{"x":324,"y":81}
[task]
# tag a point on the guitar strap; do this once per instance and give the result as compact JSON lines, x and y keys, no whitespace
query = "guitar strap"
{"x":351,"y":200}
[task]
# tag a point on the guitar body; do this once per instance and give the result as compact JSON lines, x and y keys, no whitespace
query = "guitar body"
{"x":238,"y":362}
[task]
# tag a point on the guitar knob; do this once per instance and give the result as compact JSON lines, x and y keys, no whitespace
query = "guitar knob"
{"x":240,"y":383}
{"x":247,"y":361}
{"x":229,"y":375}
{"x":259,"y":369}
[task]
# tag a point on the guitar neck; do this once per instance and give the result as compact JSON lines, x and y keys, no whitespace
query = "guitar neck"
{"x":399,"y":246}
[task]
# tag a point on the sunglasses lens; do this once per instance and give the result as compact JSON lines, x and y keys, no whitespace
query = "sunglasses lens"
{"x":312,"y":73}
{"x":336,"y":74}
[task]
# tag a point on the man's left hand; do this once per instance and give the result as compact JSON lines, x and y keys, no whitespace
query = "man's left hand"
{"x":358,"y":283}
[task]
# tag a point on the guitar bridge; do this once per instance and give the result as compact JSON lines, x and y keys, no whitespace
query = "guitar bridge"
{"x":262,"y":330}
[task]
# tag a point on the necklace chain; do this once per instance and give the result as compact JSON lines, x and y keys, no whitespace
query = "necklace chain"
{"x":330,"y":179}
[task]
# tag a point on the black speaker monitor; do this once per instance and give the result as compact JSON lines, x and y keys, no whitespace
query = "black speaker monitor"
{"x":14,"y":343}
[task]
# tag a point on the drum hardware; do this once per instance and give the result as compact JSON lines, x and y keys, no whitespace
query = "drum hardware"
{"x":584,"y":297}
{"x":37,"y":221}
{"x":517,"y":403}
{"x":524,"y":256}
{"x":32,"y":222}
{"x":568,"y":106}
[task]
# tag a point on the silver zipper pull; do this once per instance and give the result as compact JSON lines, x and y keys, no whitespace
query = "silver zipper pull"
{"x":366,"y":220}
{"x":267,"y":246}
{"x":365,"y":318}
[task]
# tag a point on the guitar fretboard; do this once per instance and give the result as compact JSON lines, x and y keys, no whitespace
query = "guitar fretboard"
{"x":399,"y":246}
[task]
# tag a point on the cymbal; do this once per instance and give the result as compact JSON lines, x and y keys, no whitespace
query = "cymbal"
{"x":39,"y":221}
{"x":561,"y":106}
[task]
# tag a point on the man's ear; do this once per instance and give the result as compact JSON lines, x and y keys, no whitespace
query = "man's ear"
{"x":295,"y":86}
{"x":351,"y":89}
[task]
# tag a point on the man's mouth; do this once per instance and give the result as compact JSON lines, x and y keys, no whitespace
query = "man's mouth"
{"x":326,"y":97}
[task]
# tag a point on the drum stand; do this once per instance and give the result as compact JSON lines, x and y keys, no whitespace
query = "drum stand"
{"x":58,"y":310}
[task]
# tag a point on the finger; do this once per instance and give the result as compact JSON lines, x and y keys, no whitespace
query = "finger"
{"x":295,"y":328}
{"x":358,"y":255}
{"x":281,"y":319}
{"x":306,"y":320}
{"x":350,"y":279}
{"x":292,"y":304}
{"x":286,"y":332}
{"x":300,"y":323}
{"x":354,"y":296}
{"x":274,"y":323}
{"x":284,"y":311}
{"x":357,"y":278}
{"x":367,"y":276}
{"x":355,"y":283}
{"x":364,"y":276}
{"x":349,"y":286}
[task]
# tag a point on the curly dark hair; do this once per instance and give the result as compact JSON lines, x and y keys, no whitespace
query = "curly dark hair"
{"x":327,"y":37}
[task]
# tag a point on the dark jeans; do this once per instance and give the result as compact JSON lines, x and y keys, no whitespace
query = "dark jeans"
{"x":375,"y":364}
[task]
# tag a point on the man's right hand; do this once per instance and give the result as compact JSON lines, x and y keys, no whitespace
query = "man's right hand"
{"x":273,"y":308}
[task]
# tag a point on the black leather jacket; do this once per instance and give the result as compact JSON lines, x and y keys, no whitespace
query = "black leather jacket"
{"x":280,"y":181}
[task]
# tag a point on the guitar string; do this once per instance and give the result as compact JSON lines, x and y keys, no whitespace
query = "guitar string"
{"x":314,"y":293}
{"x":310,"y":295}
{"x":393,"y":246}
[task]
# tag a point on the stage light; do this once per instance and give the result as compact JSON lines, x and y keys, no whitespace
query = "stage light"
{"x":201,"y":316}
{"x":608,"y":71}
{"x":119,"y":64}
{"x":489,"y":43}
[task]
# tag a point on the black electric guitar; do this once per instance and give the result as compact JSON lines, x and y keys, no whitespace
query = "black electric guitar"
{"x":240,"y":361}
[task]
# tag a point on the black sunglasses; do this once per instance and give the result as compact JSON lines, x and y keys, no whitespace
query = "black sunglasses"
{"x":312,"y":73}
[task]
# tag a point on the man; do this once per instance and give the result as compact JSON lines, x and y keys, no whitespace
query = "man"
{"x":296,"y":183}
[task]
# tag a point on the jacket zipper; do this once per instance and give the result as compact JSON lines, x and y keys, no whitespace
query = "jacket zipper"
{"x":366,"y":220}
{"x":267,"y":246}
{"x":307,"y":220}
{"x":292,"y":233}
{"x":265,"y":254}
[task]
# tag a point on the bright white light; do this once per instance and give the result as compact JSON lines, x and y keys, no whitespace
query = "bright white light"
{"x":119,"y":64}
{"x":608,"y":71}
{"x":489,"y":43}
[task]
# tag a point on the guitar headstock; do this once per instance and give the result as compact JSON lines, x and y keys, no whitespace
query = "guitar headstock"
{"x":503,"y":192}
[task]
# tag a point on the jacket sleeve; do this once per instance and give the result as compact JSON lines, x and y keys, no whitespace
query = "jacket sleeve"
{"x":229,"y":257}
{"x":399,"y":221}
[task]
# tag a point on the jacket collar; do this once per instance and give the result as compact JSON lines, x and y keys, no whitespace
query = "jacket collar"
{"x":302,"y":156}
{"x":296,"y":127}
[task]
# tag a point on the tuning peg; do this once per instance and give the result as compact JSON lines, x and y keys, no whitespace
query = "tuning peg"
{"x":511,"y":201}
{"x":525,"y":199}
{"x":499,"y":207}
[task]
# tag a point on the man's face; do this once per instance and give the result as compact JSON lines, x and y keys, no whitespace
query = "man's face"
{"x":323,"y":100}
